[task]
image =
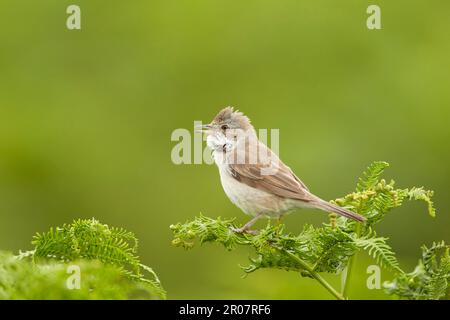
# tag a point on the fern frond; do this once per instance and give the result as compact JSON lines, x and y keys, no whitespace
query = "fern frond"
{"x":379,"y":250}
{"x":439,"y":284}
{"x":422,"y":195}
{"x":20,"y":278}
{"x":206,"y":230}
{"x":327,"y":248}
{"x":429,"y":255}
{"x":334,"y":248}
{"x":371,"y":175}
{"x":88,"y":239}
{"x":374,"y":198}
{"x":430,"y":279}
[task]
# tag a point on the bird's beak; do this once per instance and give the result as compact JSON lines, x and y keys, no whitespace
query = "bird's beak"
{"x":202,"y":128}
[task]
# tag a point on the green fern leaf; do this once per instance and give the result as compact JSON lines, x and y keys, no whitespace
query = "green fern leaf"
{"x":371,"y":175}
{"x":92,"y":240}
{"x":379,"y":250}
{"x":430,"y":279}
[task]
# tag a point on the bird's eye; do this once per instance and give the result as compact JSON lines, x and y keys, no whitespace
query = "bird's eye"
{"x":224,"y":127}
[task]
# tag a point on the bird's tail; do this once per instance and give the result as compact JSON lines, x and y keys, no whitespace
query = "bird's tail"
{"x":326,"y":206}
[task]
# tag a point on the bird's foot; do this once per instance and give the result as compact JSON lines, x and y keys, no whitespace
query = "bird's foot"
{"x":244,"y":230}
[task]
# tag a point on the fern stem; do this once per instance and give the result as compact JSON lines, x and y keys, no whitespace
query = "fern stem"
{"x":315,"y":275}
{"x":351,"y":265}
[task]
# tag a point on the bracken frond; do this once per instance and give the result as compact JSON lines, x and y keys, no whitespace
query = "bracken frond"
{"x":88,"y":239}
{"x":379,"y":250}
{"x":327,"y":248}
{"x":430,"y":280}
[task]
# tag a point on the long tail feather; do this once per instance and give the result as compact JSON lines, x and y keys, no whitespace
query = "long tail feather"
{"x":326,"y":206}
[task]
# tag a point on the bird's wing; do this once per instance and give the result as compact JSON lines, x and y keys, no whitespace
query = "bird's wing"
{"x":272,"y":176}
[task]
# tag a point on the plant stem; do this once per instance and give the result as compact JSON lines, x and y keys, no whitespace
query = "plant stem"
{"x":315,"y":275}
{"x":351,"y":265}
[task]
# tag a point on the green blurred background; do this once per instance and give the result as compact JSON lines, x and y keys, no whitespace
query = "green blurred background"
{"x":86,"y":118}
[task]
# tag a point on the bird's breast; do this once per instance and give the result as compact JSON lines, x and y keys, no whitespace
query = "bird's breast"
{"x":251,"y":200}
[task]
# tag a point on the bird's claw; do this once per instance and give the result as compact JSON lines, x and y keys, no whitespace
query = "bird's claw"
{"x":244,"y":230}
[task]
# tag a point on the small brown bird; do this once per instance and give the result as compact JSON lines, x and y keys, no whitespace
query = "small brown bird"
{"x":253,"y":176}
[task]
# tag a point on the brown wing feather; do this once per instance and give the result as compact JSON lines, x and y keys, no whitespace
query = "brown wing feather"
{"x":281,"y":181}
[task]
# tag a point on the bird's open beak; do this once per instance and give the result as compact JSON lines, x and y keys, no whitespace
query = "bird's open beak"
{"x":202,"y":128}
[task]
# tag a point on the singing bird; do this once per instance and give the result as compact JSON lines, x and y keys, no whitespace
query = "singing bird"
{"x":253,"y":177}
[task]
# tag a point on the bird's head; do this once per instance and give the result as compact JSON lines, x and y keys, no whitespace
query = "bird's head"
{"x":227,"y":127}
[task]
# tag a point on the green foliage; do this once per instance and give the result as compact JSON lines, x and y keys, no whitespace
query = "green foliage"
{"x":374,"y":198}
{"x":22,"y":279}
{"x":327,"y":248}
{"x":107,"y":258}
{"x":371,"y":176}
{"x":423,"y":195}
{"x":88,"y":239}
{"x":379,"y":250}
{"x":324,"y":248}
{"x":430,"y":280}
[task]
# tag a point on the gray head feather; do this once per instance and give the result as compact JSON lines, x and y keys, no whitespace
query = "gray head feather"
{"x":235,"y":119}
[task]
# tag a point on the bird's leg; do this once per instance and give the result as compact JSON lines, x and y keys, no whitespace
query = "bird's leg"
{"x":246,"y":227}
{"x":279,"y":218}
